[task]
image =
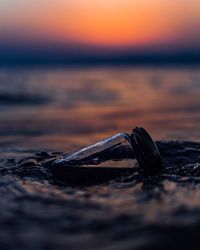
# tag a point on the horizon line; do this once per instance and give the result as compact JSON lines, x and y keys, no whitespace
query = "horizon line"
{"x":190,"y":58}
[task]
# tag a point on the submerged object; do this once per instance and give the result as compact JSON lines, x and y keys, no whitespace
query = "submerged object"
{"x":99,"y":161}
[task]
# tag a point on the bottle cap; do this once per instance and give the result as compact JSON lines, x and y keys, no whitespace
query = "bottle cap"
{"x":146,"y":151}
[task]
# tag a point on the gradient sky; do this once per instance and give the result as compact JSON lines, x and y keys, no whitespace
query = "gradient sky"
{"x":118,"y":25}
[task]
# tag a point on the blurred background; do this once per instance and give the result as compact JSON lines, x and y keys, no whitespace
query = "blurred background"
{"x":74,"y":72}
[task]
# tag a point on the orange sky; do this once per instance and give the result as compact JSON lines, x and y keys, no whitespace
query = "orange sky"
{"x":110,"y":23}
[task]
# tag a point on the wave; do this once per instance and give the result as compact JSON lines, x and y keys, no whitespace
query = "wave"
{"x":22,"y":98}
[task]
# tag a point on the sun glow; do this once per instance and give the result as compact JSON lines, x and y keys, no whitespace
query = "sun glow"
{"x":103,"y":23}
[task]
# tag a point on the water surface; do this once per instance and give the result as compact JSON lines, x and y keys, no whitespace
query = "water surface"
{"x":66,"y":108}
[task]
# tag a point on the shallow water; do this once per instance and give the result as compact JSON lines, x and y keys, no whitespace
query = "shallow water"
{"x":66,"y":108}
{"x":62,"y":109}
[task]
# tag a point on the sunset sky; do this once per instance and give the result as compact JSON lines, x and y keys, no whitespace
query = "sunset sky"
{"x":88,"y":26}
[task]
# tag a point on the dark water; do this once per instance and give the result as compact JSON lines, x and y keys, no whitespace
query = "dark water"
{"x":64,"y":108}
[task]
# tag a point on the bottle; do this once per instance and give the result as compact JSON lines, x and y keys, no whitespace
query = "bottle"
{"x":113,"y":156}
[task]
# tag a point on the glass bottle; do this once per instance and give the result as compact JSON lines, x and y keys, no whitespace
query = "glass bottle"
{"x":117,"y":154}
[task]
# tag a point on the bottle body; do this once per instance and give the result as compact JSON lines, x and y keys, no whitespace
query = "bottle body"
{"x":111,"y":152}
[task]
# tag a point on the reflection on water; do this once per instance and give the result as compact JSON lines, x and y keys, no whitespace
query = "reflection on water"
{"x":66,"y":108}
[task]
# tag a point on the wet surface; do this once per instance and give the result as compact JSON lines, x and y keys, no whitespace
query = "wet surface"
{"x":129,"y":211}
{"x":46,"y":112}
